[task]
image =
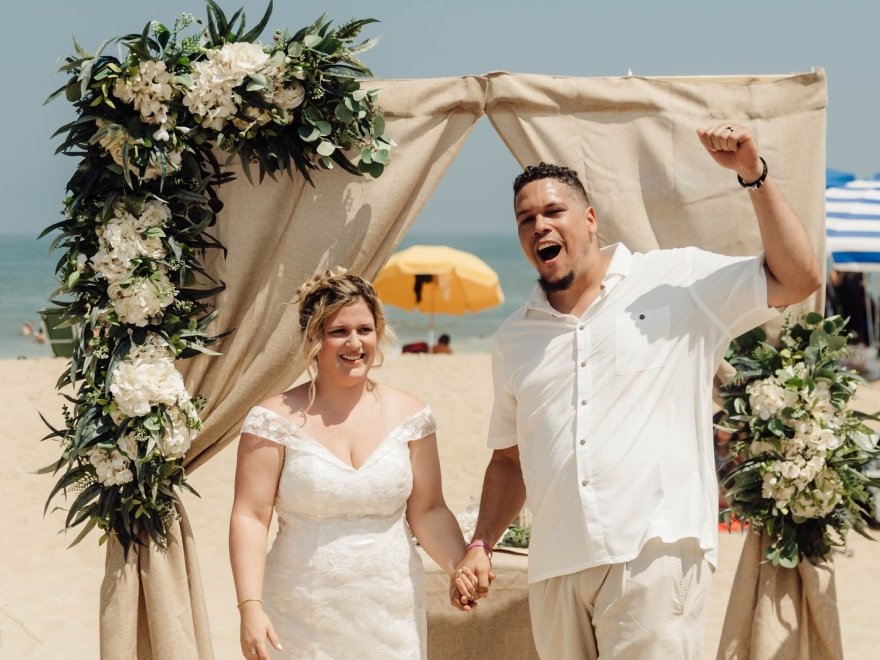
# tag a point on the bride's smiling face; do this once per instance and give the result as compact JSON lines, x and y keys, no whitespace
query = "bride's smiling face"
{"x":349,"y":343}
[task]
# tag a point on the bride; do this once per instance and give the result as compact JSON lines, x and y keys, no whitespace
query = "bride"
{"x":346,"y":463}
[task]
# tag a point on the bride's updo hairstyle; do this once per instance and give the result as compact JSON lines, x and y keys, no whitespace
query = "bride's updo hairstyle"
{"x":324,"y":295}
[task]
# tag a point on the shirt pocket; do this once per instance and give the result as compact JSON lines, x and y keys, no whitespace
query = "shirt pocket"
{"x":641,"y":340}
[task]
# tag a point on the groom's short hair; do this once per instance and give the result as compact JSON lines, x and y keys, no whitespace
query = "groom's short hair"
{"x":550,"y":171}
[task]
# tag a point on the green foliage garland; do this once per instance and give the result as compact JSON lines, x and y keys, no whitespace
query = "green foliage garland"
{"x":799,"y":448}
{"x":138,"y":212}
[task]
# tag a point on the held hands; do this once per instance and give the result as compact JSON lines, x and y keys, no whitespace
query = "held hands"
{"x":733,"y":147}
{"x":255,"y":630}
{"x":471,"y":579}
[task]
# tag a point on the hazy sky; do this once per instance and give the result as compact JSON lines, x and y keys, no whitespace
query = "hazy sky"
{"x":454,"y":37}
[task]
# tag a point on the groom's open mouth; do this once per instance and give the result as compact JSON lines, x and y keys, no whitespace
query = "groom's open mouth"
{"x":549,"y":251}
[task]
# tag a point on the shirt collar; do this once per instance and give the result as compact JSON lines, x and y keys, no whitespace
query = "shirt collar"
{"x":618,"y":268}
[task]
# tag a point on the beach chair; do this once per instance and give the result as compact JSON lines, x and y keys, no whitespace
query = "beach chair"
{"x":60,"y":338}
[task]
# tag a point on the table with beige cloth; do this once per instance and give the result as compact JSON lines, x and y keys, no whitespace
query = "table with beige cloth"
{"x":500,"y":627}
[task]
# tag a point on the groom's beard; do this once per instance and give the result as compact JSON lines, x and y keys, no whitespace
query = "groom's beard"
{"x":561,"y":284}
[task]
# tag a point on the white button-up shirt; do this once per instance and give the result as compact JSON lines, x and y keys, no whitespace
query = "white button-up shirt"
{"x":611,"y":411}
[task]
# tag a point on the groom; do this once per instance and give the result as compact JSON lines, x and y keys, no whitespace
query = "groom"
{"x":602,"y":414}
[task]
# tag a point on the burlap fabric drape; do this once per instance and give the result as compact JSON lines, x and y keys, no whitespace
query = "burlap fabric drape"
{"x":633,"y":140}
{"x":278,"y":234}
{"x":780,"y":613}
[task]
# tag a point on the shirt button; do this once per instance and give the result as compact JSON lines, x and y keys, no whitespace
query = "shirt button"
{"x":583,"y":402}
{"x":582,"y":327}
{"x":584,"y":483}
{"x":583,"y":364}
{"x":583,"y":442}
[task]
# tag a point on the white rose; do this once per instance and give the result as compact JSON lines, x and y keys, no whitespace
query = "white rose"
{"x":155,"y":214}
{"x":291,"y":97}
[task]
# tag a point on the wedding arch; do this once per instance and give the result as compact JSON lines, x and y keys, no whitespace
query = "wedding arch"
{"x":172,"y":250}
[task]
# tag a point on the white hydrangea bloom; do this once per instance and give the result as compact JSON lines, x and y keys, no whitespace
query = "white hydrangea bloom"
{"x":141,"y":300}
{"x":147,"y":377}
{"x":211,"y":96}
{"x":177,"y":436}
{"x":149,"y":90}
{"x":767,"y":397}
{"x":110,"y":466}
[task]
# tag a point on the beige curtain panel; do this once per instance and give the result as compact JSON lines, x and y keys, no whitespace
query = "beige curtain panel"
{"x":780,"y":612}
{"x":633,"y":140}
{"x":278,"y":234}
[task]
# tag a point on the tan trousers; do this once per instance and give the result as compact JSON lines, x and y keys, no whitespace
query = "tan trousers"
{"x":650,"y":607}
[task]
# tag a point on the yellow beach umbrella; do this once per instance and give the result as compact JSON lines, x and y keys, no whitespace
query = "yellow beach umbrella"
{"x":438,"y":279}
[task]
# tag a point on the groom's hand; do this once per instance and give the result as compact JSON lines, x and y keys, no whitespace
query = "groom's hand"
{"x":471,"y":579}
{"x":733,"y":147}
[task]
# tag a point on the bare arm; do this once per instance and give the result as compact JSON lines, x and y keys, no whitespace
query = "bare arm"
{"x":504,"y":494}
{"x":793,"y":272}
{"x":426,"y":512}
{"x":257,"y":472}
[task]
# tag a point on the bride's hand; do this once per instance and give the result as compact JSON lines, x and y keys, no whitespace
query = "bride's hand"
{"x":255,"y":630}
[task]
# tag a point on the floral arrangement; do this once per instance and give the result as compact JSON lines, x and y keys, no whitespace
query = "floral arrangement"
{"x":798,"y":447}
{"x":137,"y":215}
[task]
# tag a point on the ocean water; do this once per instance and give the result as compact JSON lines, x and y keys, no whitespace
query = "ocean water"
{"x":27,"y":280}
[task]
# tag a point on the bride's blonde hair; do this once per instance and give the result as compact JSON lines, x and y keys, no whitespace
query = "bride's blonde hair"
{"x":320,"y":298}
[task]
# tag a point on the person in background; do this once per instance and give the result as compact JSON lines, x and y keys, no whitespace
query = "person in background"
{"x":442,"y":345}
{"x":40,"y":336}
{"x":27,"y":329}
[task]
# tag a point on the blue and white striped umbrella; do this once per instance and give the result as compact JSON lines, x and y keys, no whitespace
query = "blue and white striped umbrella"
{"x":852,"y":226}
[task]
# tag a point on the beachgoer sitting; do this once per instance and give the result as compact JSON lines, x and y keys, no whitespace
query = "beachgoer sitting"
{"x":442,"y":345}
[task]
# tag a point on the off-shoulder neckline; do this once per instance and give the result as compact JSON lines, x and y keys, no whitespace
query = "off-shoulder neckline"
{"x":298,"y":430}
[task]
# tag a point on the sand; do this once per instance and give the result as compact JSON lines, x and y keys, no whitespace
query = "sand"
{"x":49,"y":594}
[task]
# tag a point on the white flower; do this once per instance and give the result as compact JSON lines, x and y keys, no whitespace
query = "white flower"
{"x":155,"y":214}
{"x":767,"y":398}
{"x":147,"y":377}
{"x":759,"y":447}
{"x":140,"y":301}
{"x":111,"y":267}
{"x":111,"y":467}
{"x":113,"y":137}
{"x":128,"y":445}
{"x":211,"y":96}
{"x":289,"y":98}
{"x":149,"y":90}
{"x":81,"y":261}
{"x":176,"y":436}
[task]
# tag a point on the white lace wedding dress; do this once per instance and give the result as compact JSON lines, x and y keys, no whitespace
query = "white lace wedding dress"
{"x":343,"y":579}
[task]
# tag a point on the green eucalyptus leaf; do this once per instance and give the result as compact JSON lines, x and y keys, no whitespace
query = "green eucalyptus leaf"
{"x":326,"y":148}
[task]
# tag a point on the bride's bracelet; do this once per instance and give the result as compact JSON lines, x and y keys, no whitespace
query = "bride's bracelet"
{"x":248,"y":600}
